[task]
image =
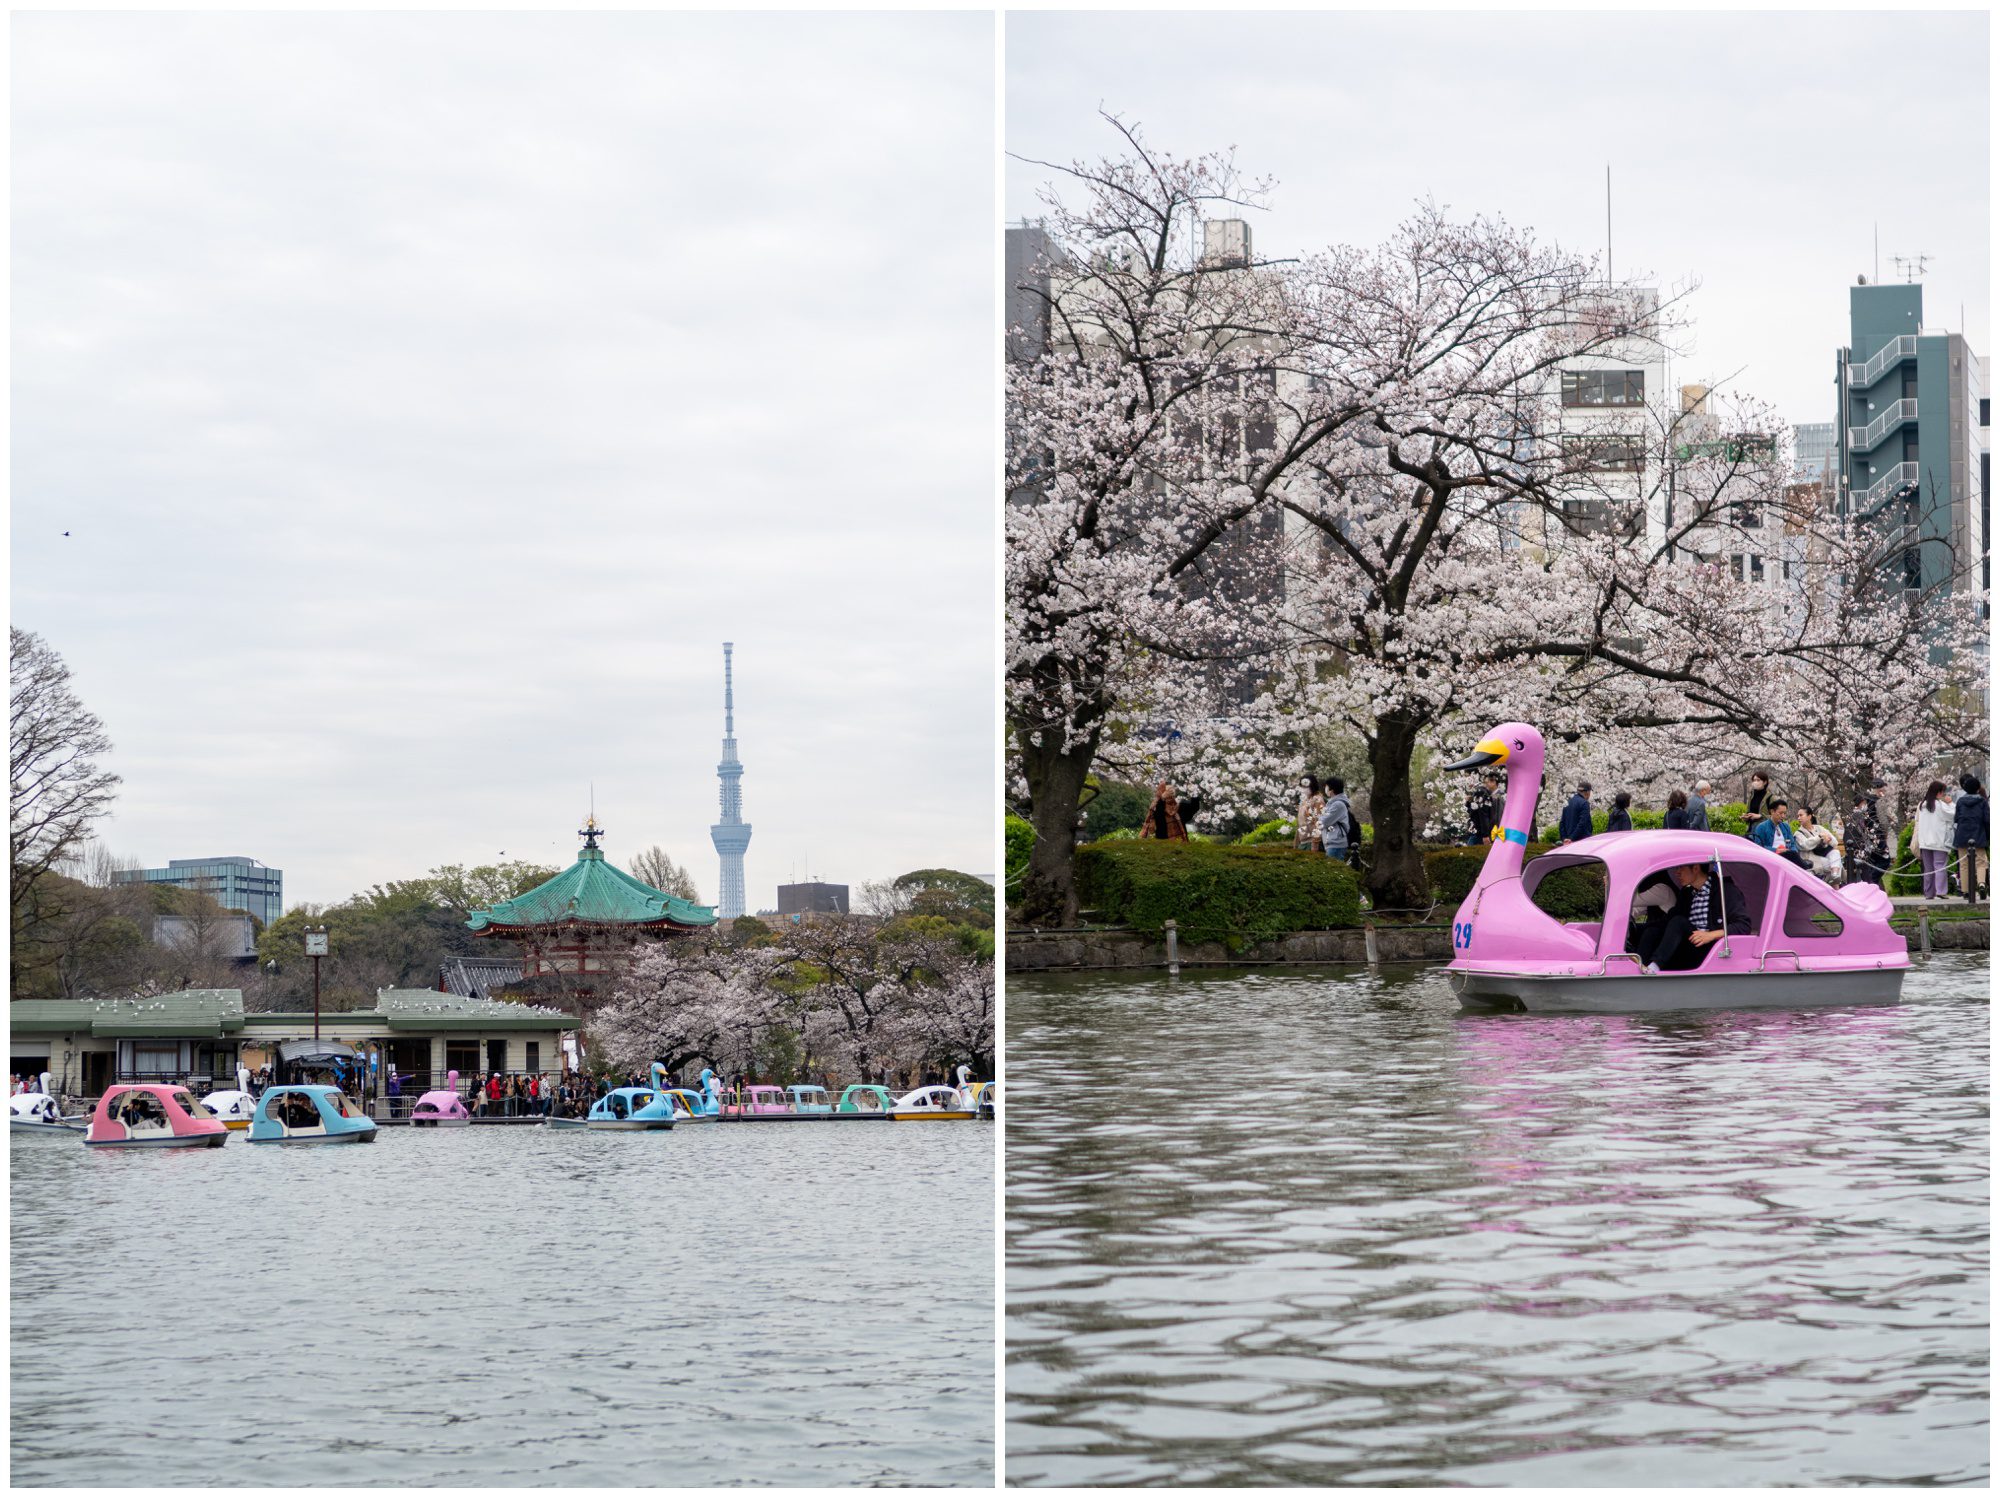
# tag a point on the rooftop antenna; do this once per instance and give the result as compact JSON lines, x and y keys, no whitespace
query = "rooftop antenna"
{"x":1910,"y":267}
{"x":1607,"y":224}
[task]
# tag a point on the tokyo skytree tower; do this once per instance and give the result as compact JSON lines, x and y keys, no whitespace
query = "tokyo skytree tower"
{"x":732,"y":834}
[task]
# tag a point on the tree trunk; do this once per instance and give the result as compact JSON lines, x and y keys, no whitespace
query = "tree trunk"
{"x":1055,"y":784}
{"x":1396,"y":878}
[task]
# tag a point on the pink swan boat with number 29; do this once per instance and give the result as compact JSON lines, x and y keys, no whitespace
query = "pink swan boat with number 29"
{"x":1808,"y":943}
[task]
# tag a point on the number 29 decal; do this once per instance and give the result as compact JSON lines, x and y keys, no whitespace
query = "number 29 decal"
{"x":1461,"y":934}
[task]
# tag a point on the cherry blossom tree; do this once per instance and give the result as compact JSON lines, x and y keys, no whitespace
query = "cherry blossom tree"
{"x":1250,"y":499}
{"x":860,"y":998}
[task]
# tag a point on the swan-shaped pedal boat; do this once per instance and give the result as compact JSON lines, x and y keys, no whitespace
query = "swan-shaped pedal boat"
{"x":153,"y":1115}
{"x":1785,"y":938}
{"x":628,"y":1110}
{"x":38,"y":1113}
{"x":309,"y":1113}
{"x":233,"y":1106}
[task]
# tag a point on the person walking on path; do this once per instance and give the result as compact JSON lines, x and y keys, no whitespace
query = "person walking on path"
{"x":1163,"y":817}
{"x":1575,"y":825}
{"x":1969,"y":837}
{"x":1620,"y":816}
{"x":1305,"y":827}
{"x":1935,"y":824}
{"x":1337,"y":831}
{"x":1867,"y":840}
{"x":1697,"y":807}
{"x":1677,"y":811}
{"x":1753,"y":807}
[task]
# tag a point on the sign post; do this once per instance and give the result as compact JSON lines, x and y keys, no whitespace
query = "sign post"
{"x":315,"y":949}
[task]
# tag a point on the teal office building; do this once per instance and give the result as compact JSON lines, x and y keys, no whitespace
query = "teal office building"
{"x":1914,"y":456}
{"x":237,"y":883}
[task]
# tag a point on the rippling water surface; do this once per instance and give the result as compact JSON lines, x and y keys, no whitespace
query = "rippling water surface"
{"x":798,"y":1304}
{"x":1324,"y":1228}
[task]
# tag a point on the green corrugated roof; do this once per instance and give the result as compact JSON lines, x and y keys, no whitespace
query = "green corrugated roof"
{"x":427,"y":1009}
{"x":203,"y":1013}
{"x":593,"y":892}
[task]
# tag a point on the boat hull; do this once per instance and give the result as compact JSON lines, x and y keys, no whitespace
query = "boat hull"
{"x":629,"y":1125}
{"x":165,"y":1142}
{"x":439,"y":1123}
{"x":30,"y":1126}
{"x":933,"y":1115}
{"x":1641,"y":993}
{"x":351,"y":1136}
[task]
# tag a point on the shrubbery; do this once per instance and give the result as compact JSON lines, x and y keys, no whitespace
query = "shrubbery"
{"x":1278,"y":830}
{"x":1568,"y":894}
{"x":1228,"y":893}
{"x":1911,"y":883}
{"x":1020,"y":846}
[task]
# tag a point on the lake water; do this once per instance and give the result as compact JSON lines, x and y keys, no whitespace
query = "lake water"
{"x":776,"y":1304}
{"x":1324,"y":1228}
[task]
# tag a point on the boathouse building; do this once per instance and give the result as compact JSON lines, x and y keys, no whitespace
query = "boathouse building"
{"x":201,"y":1036}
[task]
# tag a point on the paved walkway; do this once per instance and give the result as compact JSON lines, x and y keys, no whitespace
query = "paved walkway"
{"x":1950,"y":902}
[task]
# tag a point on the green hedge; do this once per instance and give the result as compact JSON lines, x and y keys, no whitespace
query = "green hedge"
{"x":1277,"y":831}
{"x":1216,"y":892}
{"x":1020,"y":846}
{"x":1568,"y":894}
{"x":1911,"y":883}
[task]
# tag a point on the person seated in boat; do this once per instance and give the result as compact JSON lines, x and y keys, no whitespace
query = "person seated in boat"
{"x":1678,"y":941}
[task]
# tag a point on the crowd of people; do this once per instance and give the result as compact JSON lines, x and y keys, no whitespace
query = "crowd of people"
{"x":1950,"y":834}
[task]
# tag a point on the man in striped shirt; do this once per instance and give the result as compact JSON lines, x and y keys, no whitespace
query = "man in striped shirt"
{"x":1677,"y":940}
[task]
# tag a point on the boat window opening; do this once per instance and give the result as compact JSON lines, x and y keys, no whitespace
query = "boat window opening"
{"x":1570,"y":890}
{"x":141,"y":1110}
{"x":339,"y":1102}
{"x":192,"y":1106}
{"x":1807,"y":917}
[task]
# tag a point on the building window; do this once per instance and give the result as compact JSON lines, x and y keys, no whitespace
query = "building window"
{"x":462,"y":1056}
{"x":534,"y":1057}
{"x":1604,"y":387}
{"x":1608,"y":454}
{"x":154,"y":1058}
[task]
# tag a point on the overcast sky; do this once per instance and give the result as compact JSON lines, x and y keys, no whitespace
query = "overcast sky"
{"x":427,"y":398}
{"x":1751,"y":152}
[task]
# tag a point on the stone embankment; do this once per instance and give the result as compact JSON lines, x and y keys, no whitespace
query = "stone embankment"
{"x":1086,"y":950}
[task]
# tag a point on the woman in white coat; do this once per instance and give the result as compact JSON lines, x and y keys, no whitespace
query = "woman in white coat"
{"x":1932,"y":838}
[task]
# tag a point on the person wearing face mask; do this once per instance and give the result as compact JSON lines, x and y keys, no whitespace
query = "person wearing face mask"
{"x":1311,"y":804}
{"x":1482,"y":808}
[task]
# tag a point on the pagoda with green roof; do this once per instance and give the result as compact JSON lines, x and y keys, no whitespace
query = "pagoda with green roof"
{"x":588,"y":920}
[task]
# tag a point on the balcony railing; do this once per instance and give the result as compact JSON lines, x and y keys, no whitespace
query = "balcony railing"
{"x":1895,"y":351}
{"x":1888,"y":486}
{"x":1868,"y":438}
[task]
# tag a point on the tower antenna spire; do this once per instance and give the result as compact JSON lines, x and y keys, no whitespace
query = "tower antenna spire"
{"x":731,"y":835}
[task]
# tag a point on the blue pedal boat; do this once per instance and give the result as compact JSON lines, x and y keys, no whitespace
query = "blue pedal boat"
{"x":630,"y":1108}
{"x":308,"y":1113}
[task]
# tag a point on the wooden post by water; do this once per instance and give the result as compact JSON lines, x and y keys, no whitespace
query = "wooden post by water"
{"x":1173,"y":949}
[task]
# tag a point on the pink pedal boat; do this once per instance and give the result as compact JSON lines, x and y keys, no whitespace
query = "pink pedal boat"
{"x":152,"y":1116}
{"x":1794,"y":940}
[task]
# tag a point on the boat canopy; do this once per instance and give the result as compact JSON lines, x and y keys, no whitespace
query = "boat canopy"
{"x":314,"y":1050}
